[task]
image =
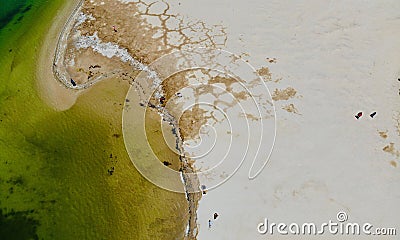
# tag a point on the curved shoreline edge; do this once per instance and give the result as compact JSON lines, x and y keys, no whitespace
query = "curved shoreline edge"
{"x":54,"y":93}
{"x":61,"y":46}
{"x":63,"y":88}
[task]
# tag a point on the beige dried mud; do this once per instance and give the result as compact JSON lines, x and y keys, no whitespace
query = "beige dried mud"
{"x":284,"y":94}
{"x":290,"y":108}
{"x":383,"y":134}
{"x":391,"y":149}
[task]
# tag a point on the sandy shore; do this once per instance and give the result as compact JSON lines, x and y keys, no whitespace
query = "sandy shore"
{"x":53,"y":91}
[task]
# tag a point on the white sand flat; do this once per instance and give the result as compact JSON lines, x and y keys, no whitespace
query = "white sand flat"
{"x":341,"y":57}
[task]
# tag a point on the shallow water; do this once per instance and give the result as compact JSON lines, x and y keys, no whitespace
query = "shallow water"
{"x":10,"y":9}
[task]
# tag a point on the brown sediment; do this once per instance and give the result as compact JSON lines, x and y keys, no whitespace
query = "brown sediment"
{"x":224,"y":80}
{"x":393,"y":163}
{"x":240,"y":95}
{"x":145,"y":34}
{"x":290,"y":108}
{"x":391,"y":149}
{"x":228,"y":82}
{"x":383,"y":134}
{"x":172,"y":85}
{"x":89,"y":69}
{"x":265,"y":73}
{"x":127,"y":26}
{"x":284,"y":94}
{"x":191,"y":121}
{"x":251,"y":117}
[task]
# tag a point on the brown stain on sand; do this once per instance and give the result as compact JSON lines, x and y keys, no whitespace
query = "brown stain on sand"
{"x":146,"y":35}
{"x":191,"y":121}
{"x":224,"y":80}
{"x":383,"y":134}
{"x":250,"y":116}
{"x":393,"y":163}
{"x":283,"y":94}
{"x":173,"y":85}
{"x":290,"y":108}
{"x":265,"y":74}
{"x":391,"y":149}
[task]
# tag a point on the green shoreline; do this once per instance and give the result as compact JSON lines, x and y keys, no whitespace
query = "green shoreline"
{"x":54,"y":182}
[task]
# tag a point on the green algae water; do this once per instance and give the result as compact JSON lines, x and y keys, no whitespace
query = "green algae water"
{"x":54,"y":179}
{"x":9,"y":9}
